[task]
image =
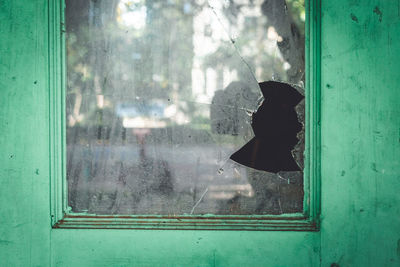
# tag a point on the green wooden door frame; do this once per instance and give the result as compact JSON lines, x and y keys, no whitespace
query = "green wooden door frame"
{"x":360,"y":152}
{"x":62,"y":217}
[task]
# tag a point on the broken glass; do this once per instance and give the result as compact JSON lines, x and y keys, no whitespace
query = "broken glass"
{"x":160,"y":94}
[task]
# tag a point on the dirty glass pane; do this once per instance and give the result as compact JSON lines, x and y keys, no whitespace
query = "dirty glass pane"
{"x":160,"y":94}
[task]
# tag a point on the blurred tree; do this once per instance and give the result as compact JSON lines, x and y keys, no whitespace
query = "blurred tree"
{"x":287,"y":17}
{"x":288,"y":23}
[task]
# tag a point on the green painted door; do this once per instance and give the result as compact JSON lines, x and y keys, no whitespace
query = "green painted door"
{"x":360,"y":120}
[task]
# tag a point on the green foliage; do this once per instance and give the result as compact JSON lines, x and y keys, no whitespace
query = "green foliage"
{"x":124,"y":62}
{"x":298,"y":13}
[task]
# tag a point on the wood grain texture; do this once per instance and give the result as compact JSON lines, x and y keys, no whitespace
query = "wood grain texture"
{"x":360,"y":133}
{"x":24,"y":155}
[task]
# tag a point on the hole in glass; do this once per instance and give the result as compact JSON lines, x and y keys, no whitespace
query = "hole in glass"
{"x":161,"y":93}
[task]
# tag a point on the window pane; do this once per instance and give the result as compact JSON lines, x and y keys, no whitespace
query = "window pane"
{"x":160,"y":94}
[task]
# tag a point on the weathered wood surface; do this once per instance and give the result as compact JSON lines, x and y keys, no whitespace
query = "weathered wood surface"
{"x":360,"y":159}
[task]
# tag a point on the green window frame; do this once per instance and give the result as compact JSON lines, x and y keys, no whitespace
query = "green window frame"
{"x":62,"y":217}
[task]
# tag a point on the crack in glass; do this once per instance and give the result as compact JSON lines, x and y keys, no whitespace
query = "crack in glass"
{"x":161,"y":93}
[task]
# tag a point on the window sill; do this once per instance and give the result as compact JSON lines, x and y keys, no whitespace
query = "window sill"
{"x":289,"y":222}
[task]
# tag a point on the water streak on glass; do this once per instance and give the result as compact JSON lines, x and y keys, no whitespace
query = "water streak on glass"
{"x":160,"y":93}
